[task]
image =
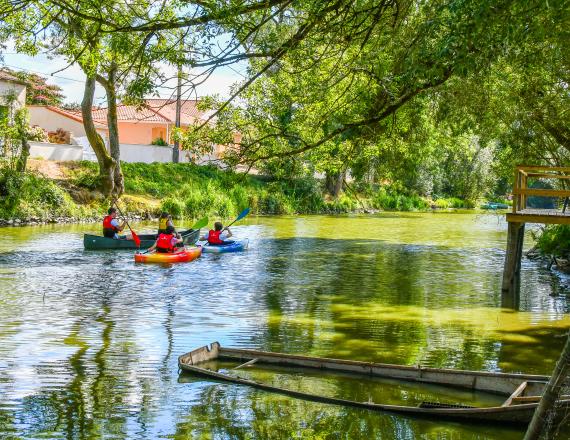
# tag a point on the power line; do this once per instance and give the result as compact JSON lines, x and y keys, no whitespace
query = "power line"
{"x":42,"y":73}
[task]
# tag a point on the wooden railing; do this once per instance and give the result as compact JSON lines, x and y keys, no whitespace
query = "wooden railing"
{"x":521,"y":191}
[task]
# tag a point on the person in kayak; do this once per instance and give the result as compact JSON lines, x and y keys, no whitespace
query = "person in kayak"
{"x":167,"y":242}
{"x":164,"y":221}
{"x":111,"y":226}
{"x":218,"y":236}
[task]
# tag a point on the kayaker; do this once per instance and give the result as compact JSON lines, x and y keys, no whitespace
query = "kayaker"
{"x":167,"y":242}
{"x":219,"y":235}
{"x":164,"y":221}
{"x":111,"y":226}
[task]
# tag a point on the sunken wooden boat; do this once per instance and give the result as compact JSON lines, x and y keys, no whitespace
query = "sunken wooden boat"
{"x":522,"y":391}
{"x":96,"y":242}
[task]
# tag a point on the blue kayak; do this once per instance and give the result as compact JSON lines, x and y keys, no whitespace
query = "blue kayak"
{"x":236,"y":246}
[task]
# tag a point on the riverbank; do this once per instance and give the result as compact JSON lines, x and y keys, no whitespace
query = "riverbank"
{"x":59,"y":192}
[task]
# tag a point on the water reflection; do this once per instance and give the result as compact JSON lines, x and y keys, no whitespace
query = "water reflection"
{"x":89,"y":340}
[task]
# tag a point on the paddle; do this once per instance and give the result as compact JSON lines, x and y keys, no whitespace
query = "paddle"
{"x":240,"y":216}
{"x":136,"y":238}
{"x":200,"y":223}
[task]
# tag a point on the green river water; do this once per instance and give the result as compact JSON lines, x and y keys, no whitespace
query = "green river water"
{"x":89,"y":340}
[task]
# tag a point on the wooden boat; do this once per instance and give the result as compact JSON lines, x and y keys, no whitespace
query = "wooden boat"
{"x":189,"y":236}
{"x":522,"y":391}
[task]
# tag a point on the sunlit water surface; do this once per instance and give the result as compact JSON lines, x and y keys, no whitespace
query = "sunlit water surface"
{"x":89,"y":340}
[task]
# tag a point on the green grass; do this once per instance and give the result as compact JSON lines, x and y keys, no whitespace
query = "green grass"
{"x":26,"y":195}
{"x":190,"y":191}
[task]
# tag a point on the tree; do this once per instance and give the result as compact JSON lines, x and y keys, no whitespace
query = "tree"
{"x":38,"y":92}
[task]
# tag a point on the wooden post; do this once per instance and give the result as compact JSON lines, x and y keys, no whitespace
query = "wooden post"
{"x":511,"y":273}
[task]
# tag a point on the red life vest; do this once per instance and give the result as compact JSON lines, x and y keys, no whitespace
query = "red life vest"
{"x":214,"y":237}
{"x":164,"y":242}
{"x":107,"y":223}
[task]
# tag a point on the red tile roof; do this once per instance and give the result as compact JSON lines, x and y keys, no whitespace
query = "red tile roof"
{"x":189,"y":112}
{"x":154,"y":110}
{"x":130,"y":113}
{"x":5,"y":76}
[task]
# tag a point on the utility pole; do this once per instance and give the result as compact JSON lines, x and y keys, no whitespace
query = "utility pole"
{"x":176,"y":149}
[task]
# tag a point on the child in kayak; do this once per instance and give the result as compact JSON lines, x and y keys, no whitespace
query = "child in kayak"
{"x":167,"y":243}
{"x":218,"y":236}
{"x":164,"y":221}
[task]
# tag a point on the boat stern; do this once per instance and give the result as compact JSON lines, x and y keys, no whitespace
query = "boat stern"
{"x":202,"y":354}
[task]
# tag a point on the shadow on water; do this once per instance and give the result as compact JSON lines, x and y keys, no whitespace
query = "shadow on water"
{"x":89,"y":340}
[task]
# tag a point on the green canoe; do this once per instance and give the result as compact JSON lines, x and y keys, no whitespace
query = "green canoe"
{"x":189,"y":236}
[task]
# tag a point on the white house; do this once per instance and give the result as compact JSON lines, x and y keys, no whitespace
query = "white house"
{"x":12,"y":94}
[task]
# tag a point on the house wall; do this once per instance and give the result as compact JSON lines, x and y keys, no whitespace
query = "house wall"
{"x":50,"y":120}
{"x":9,"y":88}
{"x":48,"y":151}
{"x":139,"y":132}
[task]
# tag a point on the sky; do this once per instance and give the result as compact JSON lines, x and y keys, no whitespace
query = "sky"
{"x":71,"y":78}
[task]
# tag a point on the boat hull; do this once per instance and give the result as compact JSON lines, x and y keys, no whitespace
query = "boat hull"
{"x":97,"y":242}
{"x":507,"y":384}
{"x":186,"y":255}
{"x":237,"y":246}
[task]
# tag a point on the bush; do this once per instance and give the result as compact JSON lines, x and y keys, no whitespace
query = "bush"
{"x":173,"y":206}
{"x":24,"y":195}
{"x":159,"y":141}
{"x":399,"y":202}
{"x":554,"y":240}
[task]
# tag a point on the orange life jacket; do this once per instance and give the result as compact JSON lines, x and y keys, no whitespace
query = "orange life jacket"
{"x":164,"y":242}
{"x":214,"y":237}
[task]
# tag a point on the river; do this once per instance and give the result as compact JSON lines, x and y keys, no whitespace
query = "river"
{"x":89,"y":340}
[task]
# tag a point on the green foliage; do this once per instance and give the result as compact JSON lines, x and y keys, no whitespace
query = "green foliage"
{"x":391,"y":201}
{"x":38,"y":91}
{"x":159,"y":141}
{"x":24,"y":195}
{"x":451,"y":202}
{"x":173,"y":206}
{"x":554,"y":240}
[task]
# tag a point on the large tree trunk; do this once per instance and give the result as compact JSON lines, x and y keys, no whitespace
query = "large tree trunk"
{"x":24,"y":154}
{"x":334,"y":182}
{"x":112,"y":124}
{"x":539,"y":425}
{"x":106,"y":162}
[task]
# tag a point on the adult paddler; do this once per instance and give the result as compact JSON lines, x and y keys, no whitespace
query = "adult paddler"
{"x":164,"y":221}
{"x":111,"y":226}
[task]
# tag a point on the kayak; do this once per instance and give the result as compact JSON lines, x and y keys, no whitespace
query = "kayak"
{"x":188,"y":254}
{"x":493,"y":205}
{"x":236,"y":246}
{"x":91,"y":242}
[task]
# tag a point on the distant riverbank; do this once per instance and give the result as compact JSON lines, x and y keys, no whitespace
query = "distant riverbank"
{"x":64,"y":192}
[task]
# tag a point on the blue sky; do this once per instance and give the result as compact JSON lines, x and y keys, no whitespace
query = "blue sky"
{"x":71,"y":79}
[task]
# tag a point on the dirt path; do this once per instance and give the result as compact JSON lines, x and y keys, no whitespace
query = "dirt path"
{"x":49,"y":168}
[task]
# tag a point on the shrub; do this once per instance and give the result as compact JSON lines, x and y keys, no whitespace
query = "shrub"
{"x":554,"y":240}
{"x":196,"y":204}
{"x":173,"y":206}
{"x":159,"y":141}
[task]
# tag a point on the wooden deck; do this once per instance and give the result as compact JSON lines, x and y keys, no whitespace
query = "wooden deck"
{"x":525,"y":177}
{"x":545,"y":216}
{"x":521,"y":191}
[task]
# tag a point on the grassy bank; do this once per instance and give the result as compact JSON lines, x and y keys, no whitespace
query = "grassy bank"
{"x":185,"y":190}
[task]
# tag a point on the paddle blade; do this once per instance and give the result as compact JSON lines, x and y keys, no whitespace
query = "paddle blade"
{"x":200,"y":223}
{"x":136,"y":238}
{"x":242,"y":214}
